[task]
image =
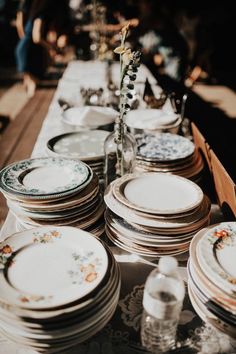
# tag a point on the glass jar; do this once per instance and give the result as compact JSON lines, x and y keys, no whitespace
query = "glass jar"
{"x":120,"y":150}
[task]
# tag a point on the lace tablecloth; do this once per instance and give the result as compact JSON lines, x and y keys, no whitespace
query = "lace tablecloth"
{"x":122,"y":334}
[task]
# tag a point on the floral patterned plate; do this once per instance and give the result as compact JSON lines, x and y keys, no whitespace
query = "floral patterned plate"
{"x":83,"y":145}
{"x":216,"y":253}
{"x":45,"y":177}
{"x":48,"y":267}
{"x":164,"y":147}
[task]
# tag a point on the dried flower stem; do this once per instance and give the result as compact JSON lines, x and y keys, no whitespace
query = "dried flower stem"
{"x":129,"y":63}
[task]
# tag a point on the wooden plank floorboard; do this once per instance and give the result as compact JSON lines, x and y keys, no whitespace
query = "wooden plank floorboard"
{"x":12,"y":134}
{"x":29,"y":136}
{"x":20,"y":136}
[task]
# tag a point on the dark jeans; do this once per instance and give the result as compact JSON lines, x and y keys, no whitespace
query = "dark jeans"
{"x":30,"y":57}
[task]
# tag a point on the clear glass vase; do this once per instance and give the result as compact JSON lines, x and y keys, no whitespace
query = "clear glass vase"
{"x":120,"y":153}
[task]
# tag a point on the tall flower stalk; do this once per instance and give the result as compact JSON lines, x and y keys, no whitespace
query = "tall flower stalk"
{"x":129,"y":63}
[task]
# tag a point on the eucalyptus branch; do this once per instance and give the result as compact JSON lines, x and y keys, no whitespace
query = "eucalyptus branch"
{"x":129,"y":63}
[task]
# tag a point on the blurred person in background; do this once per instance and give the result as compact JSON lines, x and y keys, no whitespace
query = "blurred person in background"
{"x":157,"y":36}
{"x":43,"y":27}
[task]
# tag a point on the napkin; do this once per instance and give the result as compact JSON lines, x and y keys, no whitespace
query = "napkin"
{"x":89,"y":116}
{"x":150,"y":118}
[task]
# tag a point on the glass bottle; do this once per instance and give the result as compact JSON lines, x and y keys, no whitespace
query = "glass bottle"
{"x":162,"y":301}
{"x":120,"y":150}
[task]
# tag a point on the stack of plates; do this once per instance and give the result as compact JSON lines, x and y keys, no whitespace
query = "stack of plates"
{"x":153,"y":120}
{"x":154,"y":214}
{"x":212,"y":276}
{"x":53,"y":191}
{"x":58,"y":287}
{"x":167,"y":152}
{"x":86,"y":146}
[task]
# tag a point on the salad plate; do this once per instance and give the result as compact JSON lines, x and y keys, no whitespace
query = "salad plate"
{"x":74,"y":263}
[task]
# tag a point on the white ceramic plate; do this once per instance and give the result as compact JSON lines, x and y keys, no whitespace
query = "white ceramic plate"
{"x":216,"y":253}
{"x":132,"y":249}
{"x":50,"y":266}
{"x":66,"y":312}
{"x":79,"y":198}
{"x":158,"y":193}
{"x":83,"y":145}
{"x":45,"y":177}
{"x":164,"y":226}
{"x":209,"y":317}
{"x":123,"y":227}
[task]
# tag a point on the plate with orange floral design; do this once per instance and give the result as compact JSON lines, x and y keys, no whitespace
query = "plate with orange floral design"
{"x":216,"y":253}
{"x":47,"y":267}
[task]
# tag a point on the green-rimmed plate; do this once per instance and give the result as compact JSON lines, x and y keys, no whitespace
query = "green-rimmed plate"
{"x":45,"y":178}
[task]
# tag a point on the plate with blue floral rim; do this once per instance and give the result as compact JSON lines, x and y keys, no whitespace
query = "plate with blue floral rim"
{"x":216,"y":252}
{"x":78,"y":198}
{"x":164,"y":147}
{"x":45,"y":178}
{"x":87,"y":145}
{"x":48,"y":267}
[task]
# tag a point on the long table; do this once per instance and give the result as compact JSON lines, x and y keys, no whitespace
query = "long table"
{"x":122,"y":334}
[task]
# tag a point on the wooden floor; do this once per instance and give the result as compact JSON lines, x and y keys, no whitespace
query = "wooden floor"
{"x":18,"y":139}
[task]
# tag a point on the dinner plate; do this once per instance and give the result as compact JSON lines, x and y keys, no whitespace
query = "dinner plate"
{"x":154,"y":224}
{"x":216,"y":252}
{"x":151,"y":244}
{"x":45,"y":177}
{"x":146,"y":253}
{"x":67,"y":312}
{"x":83,"y":145}
{"x":81,"y":323}
{"x":86,"y":217}
{"x":176,"y":164}
{"x":208,"y":316}
{"x":164,"y":147}
{"x":74,"y":263}
{"x":76,"y":199}
{"x":157,"y":193}
{"x":132,"y":231}
{"x":52,"y":214}
{"x":211,"y":289}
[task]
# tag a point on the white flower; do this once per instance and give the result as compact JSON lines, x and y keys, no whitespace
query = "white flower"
{"x":127,"y":57}
{"x":120,"y":50}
